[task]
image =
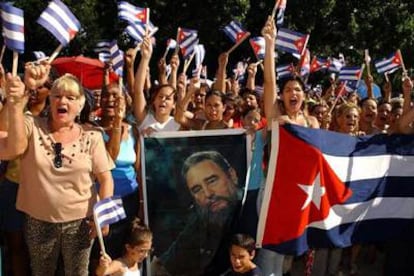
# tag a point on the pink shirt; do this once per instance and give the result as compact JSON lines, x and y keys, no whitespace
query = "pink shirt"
{"x":60,"y":194}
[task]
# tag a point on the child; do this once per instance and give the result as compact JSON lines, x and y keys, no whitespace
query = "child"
{"x":242,"y":252}
{"x":138,"y":245}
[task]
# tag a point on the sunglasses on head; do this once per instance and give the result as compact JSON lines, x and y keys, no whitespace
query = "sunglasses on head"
{"x":57,"y":147}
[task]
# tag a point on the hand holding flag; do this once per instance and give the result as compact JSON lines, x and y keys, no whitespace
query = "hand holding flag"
{"x":106,"y":212}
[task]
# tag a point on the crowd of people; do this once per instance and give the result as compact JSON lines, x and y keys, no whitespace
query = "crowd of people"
{"x":64,"y":147}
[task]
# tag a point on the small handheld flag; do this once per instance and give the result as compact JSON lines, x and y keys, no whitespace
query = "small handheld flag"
{"x":13,"y":27}
{"x":291,"y":41}
{"x":105,"y":212}
{"x":117,"y":58}
{"x":60,"y":21}
{"x":131,"y":13}
{"x":388,"y":64}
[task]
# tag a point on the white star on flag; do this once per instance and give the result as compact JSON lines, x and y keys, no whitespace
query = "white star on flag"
{"x":314,"y":192}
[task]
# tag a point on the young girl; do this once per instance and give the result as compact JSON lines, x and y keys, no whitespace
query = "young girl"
{"x":138,"y":245}
{"x":242,"y":252}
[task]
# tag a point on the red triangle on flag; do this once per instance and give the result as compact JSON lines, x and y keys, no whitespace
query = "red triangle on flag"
{"x":300,"y":167}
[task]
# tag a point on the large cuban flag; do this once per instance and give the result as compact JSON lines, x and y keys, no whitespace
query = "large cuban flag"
{"x":328,"y":189}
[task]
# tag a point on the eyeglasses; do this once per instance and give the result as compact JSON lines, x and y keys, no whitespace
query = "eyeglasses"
{"x":57,"y":147}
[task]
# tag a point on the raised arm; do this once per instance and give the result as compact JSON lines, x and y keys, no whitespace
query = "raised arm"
{"x":139,"y":102}
{"x":221,"y":75}
{"x":407,"y":88}
{"x":113,"y":145}
{"x":16,"y":141}
{"x":162,"y":71}
{"x":251,"y":76}
{"x":130,"y":61}
{"x":271,"y":109}
{"x":182,"y":106}
{"x":369,"y":81}
{"x":175,"y":63}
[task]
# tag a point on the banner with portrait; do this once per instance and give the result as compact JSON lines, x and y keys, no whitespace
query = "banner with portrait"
{"x":193,"y":185}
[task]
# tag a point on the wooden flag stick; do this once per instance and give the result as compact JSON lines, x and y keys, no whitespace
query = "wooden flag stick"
{"x":164,"y":56}
{"x":402,"y":62}
{"x":55,"y":53}
{"x":275,"y":8}
{"x":337,"y":98}
{"x":367,"y":61}
{"x":147,"y":21}
{"x":99,"y":235}
{"x":238,"y":43}
{"x":15,"y":63}
{"x":177,"y":47}
{"x":3,"y":49}
{"x":387,"y":79}
{"x":187,"y":62}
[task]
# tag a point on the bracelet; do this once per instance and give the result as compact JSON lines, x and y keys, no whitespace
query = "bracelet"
{"x":116,"y":129}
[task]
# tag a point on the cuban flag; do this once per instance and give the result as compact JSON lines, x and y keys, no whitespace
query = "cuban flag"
{"x":318,"y":64}
{"x":235,"y":31}
{"x":131,"y":13}
{"x":389,"y":64}
{"x":171,"y":43}
{"x":258,"y":46}
{"x":284,"y":71}
{"x":137,"y":31}
{"x":291,"y":41}
{"x":187,"y":40}
{"x":281,"y":12}
{"x":102,"y":46}
{"x":13,"y":27}
{"x":335,"y":65}
{"x":60,"y":22}
{"x":351,"y":75}
{"x":304,"y":64}
{"x":104,"y":57}
{"x":328,"y":189}
{"x":200,"y":53}
{"x":40,"y":55}
{"x":108,"y":211}
{"x":117,"y":58}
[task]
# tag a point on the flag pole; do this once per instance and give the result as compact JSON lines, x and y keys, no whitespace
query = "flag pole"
{"x":147,"y":21}
{"x":275,"y":8}
{"x":402,"y":62}
{"x":15,"y":63}
{"x":187,"y":62}
{"x":337,"y":98}
{"x":238,"y":43}
{"x":55,"y":53}
{"x":99,"y":234}
{"x":164,"y":56}
{"x":3,"y":49}
{"x":387,"y":79}
{"x":367,"y":61}
{"x":177,"y":47}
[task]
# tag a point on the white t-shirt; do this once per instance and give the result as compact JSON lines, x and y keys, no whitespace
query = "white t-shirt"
{"x":150,"y":121}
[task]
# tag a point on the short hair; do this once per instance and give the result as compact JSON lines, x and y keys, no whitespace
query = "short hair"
{"x":69,"y":82}
{"x":244,"y":241}
{"x":200,"y":156}
{"x":138,"y":233}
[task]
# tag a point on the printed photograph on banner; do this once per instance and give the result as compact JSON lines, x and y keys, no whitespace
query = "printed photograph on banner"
{"x":194,"y":184}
